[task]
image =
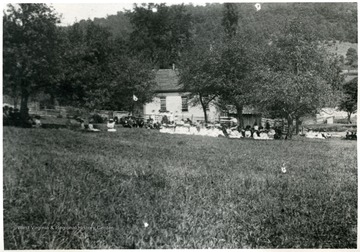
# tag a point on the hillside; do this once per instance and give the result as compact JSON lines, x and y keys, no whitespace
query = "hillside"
{"x":329,"y":21}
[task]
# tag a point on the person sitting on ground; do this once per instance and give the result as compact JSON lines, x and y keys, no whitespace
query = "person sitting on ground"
{"x":278,"y":133}
{"x":150,"y":124}
{"x":233,"y":122}
{"x":111,"y":125}
{"x":37,"y":121}
{"x":224,"y":130}
{"x":264,"y":135}
{"x":255,"y":135}
{"x":91,"y":128}
{"x":271,"y":133}
{"x":165,"y":120}
{"x":248,"y":131}
{"x":82,"y":124}
{"x":234,"y":134}
{"x":242,"y":131}
{"x":157,"y":125}
{"x":267,"y":125}
{"x":6,"y":111}
{"x":256,"y":127}
{"x":140,"y":122}
{"x":188,"y":121}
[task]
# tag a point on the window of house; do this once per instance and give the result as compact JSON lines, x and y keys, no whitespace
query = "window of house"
{"x":163,"y":103}
{"x":184,"y":104}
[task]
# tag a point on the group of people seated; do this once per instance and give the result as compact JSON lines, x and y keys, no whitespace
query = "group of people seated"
{"x":255,"y":132}
{"x":189,"y":129}
{"x":90,"y":127}
{"x":350,"y":135}
{"x":318,"y":135}
{"x":12,"y":117}
{"x":218,"y":130}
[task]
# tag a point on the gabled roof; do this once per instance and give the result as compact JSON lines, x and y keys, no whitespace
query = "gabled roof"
{"x":167,"y":81}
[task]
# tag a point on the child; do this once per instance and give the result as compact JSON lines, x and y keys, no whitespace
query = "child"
{"x":111,"y":125}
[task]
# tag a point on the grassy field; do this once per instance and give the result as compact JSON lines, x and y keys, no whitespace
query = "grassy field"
{"x":137,"y":188}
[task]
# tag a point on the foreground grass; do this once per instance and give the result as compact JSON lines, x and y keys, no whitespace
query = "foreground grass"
{"x":65,"y":189}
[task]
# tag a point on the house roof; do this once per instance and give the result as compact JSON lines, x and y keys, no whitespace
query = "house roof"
{"x":167,"y":81}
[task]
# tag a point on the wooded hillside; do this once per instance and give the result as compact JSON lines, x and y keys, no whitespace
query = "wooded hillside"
{"x":331,"y":21}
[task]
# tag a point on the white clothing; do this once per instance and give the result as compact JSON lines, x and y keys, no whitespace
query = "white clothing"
{"x":111,"y":125}
{"x":37,"y":123}
{"x":234,"y":120}
{"x":91,"y":128}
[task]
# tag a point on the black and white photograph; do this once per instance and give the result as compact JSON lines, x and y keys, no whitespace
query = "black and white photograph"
{"x":179,"y":125}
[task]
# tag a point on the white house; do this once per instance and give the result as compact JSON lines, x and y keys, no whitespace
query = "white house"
{"x":171,"y":98}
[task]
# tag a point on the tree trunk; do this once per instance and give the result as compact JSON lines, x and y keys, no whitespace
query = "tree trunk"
{"x":290,"y":127}
{"x":239,"y":110}
{"x":203,"y":105}
{"x":24,"y":111}
{"x":15,"y":102}
{"x":349,"y":117}
{"x":297,"y":125}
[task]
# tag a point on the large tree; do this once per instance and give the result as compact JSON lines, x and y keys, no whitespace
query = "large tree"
{"x":160,"y":33}
{"x":236,"y":71}
{"x":222,"y":69}
{"x":84,"y":75}
{"x":230,"y":19}
{"x":99,"y":73}
{"x":129,"y":77}
{"x":198,"y":76}
{"x":30,"y":54}
{"x":351,"y":57}
{"x":349,"y":101}
{"x":240,"y":53}
{"x":295,"y":78}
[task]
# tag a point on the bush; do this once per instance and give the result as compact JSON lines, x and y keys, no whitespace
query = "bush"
{"x":96,"y":118}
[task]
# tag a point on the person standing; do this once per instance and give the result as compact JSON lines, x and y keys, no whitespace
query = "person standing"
{"x":171,"y":118}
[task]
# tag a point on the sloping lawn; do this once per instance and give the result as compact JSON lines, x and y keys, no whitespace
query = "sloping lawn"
{"x":137,"y":188}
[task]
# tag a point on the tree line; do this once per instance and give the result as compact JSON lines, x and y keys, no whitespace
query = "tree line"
{"x":237,"y":57}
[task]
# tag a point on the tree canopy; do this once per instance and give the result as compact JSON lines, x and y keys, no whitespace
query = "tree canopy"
{"x":30,"y":41}
{"x":349,"y":101}
{"x":351,"y":57}
{"x":229,"y":53}
{"x":294,"y":80}
{"x":98,"y":71}
{"x":160,"y":33}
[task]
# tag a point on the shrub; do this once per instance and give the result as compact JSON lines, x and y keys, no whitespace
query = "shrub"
{"x":96,"y":118}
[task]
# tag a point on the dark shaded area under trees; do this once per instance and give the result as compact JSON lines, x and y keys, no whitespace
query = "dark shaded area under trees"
{"x":229,"y":53}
